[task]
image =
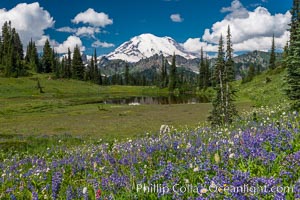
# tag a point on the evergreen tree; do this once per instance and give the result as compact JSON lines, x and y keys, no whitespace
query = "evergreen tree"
{"x":47,"y":58}
{"x":295,"y":20}
{"x":229,"y":64}
{"x":229,"y":76}
{"x":97,"y":71}
{"x":126,"y":74}
{"x":164,"y":74}
{"x":208,"y":72}
{"x":77,"y":65}
{"x":55,"y":64}
{"x":285,"y":54}
{"x":11,"y":52}
{"x":293,"y":70}
{"x":202,"y":71}
{"x":6,"y":29}
{"x":63,"y":67}
{"x":91,"y":70}
{"x":68,"y":68}
{"x":223,"y":108}
{"x":218,"y":112}
{"x":1,"y":53}
{"x":17,"y":44}
{"x":32,"y":58}
{"x":272,"y":61}
{"x":173,"y":75}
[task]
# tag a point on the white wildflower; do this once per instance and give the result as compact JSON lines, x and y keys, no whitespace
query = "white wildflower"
{"x":188,"y":146}
{"x":84,"y":191}
{"x":196,"y":169}
{"x":236,"y":136}
{"x":231,"y":155}
{"x":213,"y":185}
{"x":203,"y":191}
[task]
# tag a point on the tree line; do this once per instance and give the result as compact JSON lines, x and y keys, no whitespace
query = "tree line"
{"x":13,"y":63}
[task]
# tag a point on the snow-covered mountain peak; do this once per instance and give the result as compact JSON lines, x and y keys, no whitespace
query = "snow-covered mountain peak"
{"x":147,"y":45}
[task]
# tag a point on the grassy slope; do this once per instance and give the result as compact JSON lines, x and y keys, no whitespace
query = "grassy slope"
{"x":72,"y":107}
{"x":259,"y":92}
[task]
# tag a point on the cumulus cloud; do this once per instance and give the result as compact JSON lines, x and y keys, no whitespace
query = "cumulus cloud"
{"x":67,"y":29}
{"x":262,"y":43}
{"x":71,"y":42}
{"x":90,"y":16}
{"x":41,"y":42}
{"x":87,"y":31}
{"x":98,"y":43}
{"x":251,"y":31}
{"x":176,"y":18}
{"x":30,"y":21}
{"x":260,"y":23}
{"x":195,"y":44}
{"x":236,"y":10}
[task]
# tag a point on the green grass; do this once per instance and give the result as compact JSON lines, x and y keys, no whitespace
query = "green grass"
{"x":71,"y":109}
{"x":260,"y":92}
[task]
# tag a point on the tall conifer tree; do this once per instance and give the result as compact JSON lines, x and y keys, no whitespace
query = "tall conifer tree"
{"x":77,"y":65}
{"x":272,"y":61}
{"x":68,"y":69}
{"x":202,"y":71}
{"x":223,"y":108}
{"x":230,"y":72}
{"x":293,"y":59}
{"x":47,"y":58}
{"x":173,"y":74}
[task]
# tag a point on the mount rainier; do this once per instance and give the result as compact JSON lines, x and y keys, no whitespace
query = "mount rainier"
{"x":146,"y":46}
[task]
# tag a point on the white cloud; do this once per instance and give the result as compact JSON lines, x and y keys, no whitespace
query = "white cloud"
{"x":262,"y":43}
{"x":67,"y":29}
{"x":90,"y":16}
{"x":98,"y":43}
{"x":71,"y":42}
{"x":236,"y":10}
{"x":194,"y":45}
{"x":30,"y":21}
{"x":42,"y":40}
{"x":176,"y":18}
{"x":251,"y":31}
{"x":87,"y":31}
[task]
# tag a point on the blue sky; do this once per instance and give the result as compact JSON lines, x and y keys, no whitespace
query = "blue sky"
{"x":126,"y":19}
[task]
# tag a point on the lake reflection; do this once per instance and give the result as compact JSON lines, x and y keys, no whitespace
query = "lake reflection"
{"x":182,"y":99}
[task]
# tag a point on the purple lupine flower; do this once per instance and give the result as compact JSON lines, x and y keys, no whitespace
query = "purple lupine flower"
{"x":69,"y":193}
{"x":13,"y":197}
{"x":35,"y":196}
{"x":56,"y":182}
